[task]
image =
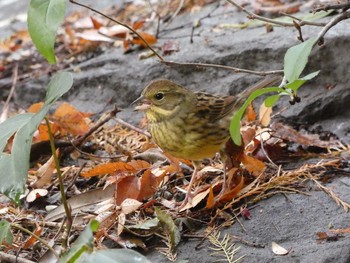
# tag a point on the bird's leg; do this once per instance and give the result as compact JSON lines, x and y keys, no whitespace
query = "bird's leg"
{"x":188,"y":197}
{"x":223,"y":159}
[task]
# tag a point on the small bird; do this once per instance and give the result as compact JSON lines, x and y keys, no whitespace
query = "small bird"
{"x":190,"y":125}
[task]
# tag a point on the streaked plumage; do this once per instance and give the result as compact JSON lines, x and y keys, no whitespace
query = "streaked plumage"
{"x":186,"y":124}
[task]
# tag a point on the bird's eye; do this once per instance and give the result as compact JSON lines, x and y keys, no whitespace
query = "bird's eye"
{"x":159,"y":96}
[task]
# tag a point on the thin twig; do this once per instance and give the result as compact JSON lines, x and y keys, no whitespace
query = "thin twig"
{"x":122,"y":24}
{"x":344,"y":6}
{"x":272,"y":21}
{"x":236,"y":70}
{"x":171,"y":63}
{"x":11,"y":258}
{"x":110,"y":115}
{"x":265,"y":153}
{"x":248,"y":243}
{"x":335,"y":20}
{"x":37,"y":237}
{"x":4,"y":113}
{"x":67,"y":208}
{"x":132,"y":127}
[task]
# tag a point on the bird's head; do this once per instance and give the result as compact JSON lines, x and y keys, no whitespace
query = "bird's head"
{"x":162,"y":99}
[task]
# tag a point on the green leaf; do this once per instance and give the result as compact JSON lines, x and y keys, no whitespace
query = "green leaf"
{"x":113,"y":256}
{"x":169,"y":226}
{"x":84,"y":243}
{"x":235,"y":125}
{"x":271,"y":100}
{"x":296,"y":58}
{"x":5,"y":232}
{"x":10,"y":126}
{"x":296,"y":84}
{"x":145,"y":225}
{"x":311,"y":75}
{"x":14,"y":167}
{"x":58,"y":86}
{"x":44,"y":18}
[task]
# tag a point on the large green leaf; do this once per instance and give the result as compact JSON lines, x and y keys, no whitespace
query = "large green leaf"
{"x":84,"y":243}
{"x":10,"y":126}
{"x":44,"y":18}
{"x":235,"y":126}
{"x":296,"y":58}
{"x":113,"y":256}
{"x":5,"y":232}
{"x":14,"y":167}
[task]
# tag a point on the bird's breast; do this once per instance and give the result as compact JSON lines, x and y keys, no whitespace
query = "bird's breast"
{"x":188,"y":138}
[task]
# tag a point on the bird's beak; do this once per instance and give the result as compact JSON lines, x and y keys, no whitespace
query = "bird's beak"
{"x":146,"y":104}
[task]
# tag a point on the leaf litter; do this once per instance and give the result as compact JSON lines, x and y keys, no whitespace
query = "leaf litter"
{"x":129,"y":196}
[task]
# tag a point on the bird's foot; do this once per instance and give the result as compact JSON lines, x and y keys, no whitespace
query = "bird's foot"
{"x":187,"y":202}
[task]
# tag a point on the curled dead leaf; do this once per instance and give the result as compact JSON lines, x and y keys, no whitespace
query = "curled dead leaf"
{"x":278,"y":250}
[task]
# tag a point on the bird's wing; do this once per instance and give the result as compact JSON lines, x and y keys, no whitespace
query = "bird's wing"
{"x":213,"y":107}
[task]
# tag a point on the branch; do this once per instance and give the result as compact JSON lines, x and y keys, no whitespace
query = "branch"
{"x":272,"y":21}
{"x":333,"y":7}
{"x":335,"y":20}
{"x":11,"y":258}
{"x":162,"y":60}
{"x":122,"y":24}
{"x":235,"y":70}
{"x":42,"y":241}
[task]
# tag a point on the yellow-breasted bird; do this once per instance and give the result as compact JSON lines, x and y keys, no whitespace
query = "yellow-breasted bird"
{"x":190,"y":125}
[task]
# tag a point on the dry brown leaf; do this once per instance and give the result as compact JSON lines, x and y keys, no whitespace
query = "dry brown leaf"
{"x":127,"y":187}
{"x":36,"y":107}
{"x":210,"y":200}
{"x":42,"y":134}
{"x":196,"y":200}
{"x":70,"y":119}
{"x":265,"y":115}
{"x":139,"y":164}
{"x":31,"y":240}
{"x":108,"y":168}
{"x":254,"y":166}
{"x":130,"y":205}
{"x":238,"y":184}
{"x":97,"y":24}
{"x":45,"y":172}
{"x":250,"y":114}
{"x":289,"y":134}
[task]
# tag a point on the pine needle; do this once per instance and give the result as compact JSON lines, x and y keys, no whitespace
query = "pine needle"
{"x":225,"y":249}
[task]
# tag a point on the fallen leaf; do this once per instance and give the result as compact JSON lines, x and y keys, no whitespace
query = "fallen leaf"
{"x":254,"y":166}
{"x":31,"y":240}
{"x":121,"y":223}
{"x":237,"y":182}
{"x":97,"y":24}
{"x":108,"y":168}
{"x":70,"y":119}
{"x":278,"y":250}
{"x":35,"y":194}
{"x":36,"y":107}
{"x":130,"y":205}
{"x":169,"y":227}
{"x":210,"y":200}
{"x":45,"y":172}
{"x":250,"y":114}
{"x":264,"y":115}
